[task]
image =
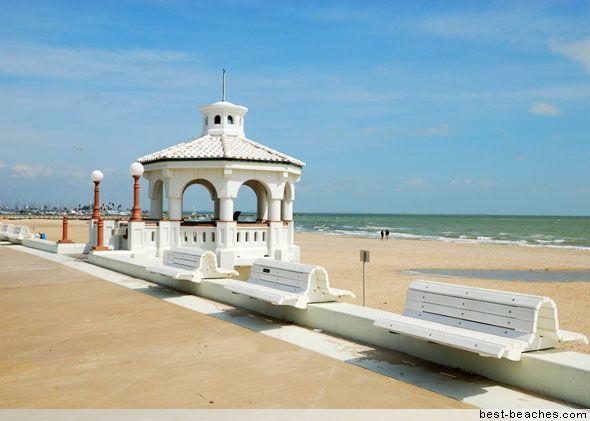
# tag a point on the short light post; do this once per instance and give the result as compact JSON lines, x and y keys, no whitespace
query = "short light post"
{"x":97,"y":177}
{"x":64,"y":231}
{"x":365,"y":257}
{"x":136,"y":171}
{"x":99,"y":236}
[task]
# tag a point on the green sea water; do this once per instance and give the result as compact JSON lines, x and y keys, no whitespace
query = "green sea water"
{"x":539,"y":231}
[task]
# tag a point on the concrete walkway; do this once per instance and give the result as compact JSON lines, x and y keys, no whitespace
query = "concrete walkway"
{"x":70,"y":340}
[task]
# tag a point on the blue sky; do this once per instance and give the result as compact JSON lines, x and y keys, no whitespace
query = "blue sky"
{"x":450,"y":107}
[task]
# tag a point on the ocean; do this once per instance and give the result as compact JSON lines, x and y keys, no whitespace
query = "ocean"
{"x":531,"y":231}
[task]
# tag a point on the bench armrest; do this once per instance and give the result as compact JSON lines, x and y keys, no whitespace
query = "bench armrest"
{"x":337,"y":292}
{"x":173,"y":272}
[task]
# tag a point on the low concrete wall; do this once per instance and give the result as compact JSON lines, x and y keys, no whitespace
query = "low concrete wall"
{"x":57,"y":248}
{"x":559,"y":374}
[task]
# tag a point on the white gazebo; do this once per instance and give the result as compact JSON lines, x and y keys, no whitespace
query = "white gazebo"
{"x":222,"y":159}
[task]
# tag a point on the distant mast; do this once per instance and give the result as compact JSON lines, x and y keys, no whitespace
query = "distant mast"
{"x":223,"y":87}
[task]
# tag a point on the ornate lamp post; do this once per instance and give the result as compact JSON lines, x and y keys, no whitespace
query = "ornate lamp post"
{"x":136,"y":170}
{"x":97,"y":177}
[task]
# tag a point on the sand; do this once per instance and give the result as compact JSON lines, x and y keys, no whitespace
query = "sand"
{"x":77,"y":229}
{"x":387,"y":284}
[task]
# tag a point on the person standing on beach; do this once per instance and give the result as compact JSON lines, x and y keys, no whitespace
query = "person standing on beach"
{"x":382,"y":234}
{"x":387,"y":234}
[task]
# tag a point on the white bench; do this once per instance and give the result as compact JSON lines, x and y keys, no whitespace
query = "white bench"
{"x":290,"y":284}
{"x":5,"y":229}
{"x":19,"y":232}
{"x":491,"y":323}
{"x":190,"y":264}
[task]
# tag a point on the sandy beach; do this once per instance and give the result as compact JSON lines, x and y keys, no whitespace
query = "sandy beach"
{"x":387,"y":283}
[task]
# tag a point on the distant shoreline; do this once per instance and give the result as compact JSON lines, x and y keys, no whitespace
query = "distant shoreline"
{"x":546,"y":232}
{"x":394,"y":237}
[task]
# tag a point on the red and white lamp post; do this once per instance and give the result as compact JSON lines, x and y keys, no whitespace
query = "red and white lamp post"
{"x":136,"y":171}
{"x":97,"y":177}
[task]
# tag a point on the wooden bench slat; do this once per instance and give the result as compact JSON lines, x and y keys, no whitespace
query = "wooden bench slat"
{"x":455,"y":337}
{"x":471,"y":325}
{"x":469,"y":304}
{"x":302,"y":276}
{"x":491,"y":319}
{"x":522,"y":340}
{"x":278,"y":286}
{"x":283,"y":281}
{"x":499,"y":297}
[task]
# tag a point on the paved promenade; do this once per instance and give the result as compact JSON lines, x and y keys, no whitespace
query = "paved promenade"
{"x":70,"y":340}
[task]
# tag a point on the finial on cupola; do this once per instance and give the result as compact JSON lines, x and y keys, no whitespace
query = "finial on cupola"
{"x":223,"y":87}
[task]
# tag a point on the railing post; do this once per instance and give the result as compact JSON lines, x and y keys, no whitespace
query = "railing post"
{"x":64,"y":231}
{"x":136,"y":215}
{"x":96,"y":210}
{"x":99,"y":236}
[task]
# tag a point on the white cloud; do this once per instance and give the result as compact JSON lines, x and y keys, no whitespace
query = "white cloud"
{"x":521,"y":26}
{"x":128,"y":65}
{"x":578,"y":51}
{"x":74,"y":173}
{"x":545,"y":109}
{"x":468,"y":182}
{"x":442,"y":130}
{"x":460,"y":183}
{"x":30,"y":171}
{"x":486,"y":184}
{"x":415,"y":182}
{"x":558,"y":92}
{"x":62,"y":172}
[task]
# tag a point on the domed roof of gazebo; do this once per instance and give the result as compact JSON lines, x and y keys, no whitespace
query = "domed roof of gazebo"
{"x":223,"y":147}
{"x":223,"y":138}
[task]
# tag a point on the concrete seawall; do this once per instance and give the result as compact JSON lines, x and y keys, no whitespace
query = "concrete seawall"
{"x":559,"y":374}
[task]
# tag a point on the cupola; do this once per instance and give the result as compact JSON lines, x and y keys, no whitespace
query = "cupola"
{"x":223,"y":117}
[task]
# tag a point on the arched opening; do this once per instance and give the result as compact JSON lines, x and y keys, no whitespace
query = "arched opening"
{"x":230,"y":119}
{"x":287,"y":203}
{"x":217,"y":119}
{"x":157,"y":200}
{"x":199,"y":201}
{"x":252,"y":202}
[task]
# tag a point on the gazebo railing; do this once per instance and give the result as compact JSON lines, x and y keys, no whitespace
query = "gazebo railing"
{"x":198,"y":236}
{"x":251,"y":236}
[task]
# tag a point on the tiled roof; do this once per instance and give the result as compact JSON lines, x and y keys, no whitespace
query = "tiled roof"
{"x":221,"y":147}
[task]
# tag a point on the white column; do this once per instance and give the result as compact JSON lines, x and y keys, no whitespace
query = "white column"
{"x":156,"y":208}
{"x":287,"y":210}
{"x":216,"y":208}
{"x":275,"y":210}
{"x":226,"y":209}
{"x":175,"y":208}
{"x":261,"y":204}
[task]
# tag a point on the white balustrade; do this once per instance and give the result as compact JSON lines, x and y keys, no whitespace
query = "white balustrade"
{"x":251,"y":236}
{"x":198,"y":236}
